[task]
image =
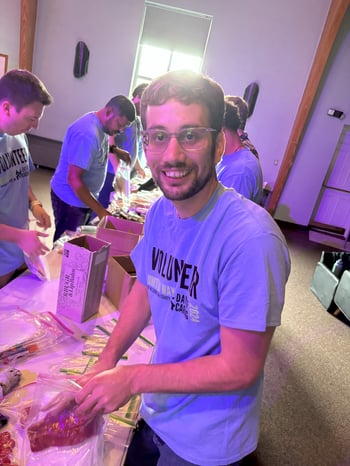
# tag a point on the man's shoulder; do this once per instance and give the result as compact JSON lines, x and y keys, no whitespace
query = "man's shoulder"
{"x":82,"y":121}
{"x":242,"y":214}
{"x":13,"y":142}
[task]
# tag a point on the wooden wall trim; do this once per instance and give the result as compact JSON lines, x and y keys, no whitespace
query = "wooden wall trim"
{"x":336,"y":13}
{"x":27,"y":33}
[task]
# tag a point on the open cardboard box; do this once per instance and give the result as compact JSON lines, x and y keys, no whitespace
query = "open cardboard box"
{"x":84,"y":262}
{"x":121,"y":275}
{"x":121,"y":233}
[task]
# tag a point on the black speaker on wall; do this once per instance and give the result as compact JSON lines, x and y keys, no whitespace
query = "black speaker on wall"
{"x":81,"y":60}
{"x":250,"y":95}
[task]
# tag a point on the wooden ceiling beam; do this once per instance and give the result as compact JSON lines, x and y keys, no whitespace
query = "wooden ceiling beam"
{"x":27,"y":33}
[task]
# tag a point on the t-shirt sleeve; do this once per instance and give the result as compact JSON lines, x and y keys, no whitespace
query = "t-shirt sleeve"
{"x":251,"y":285}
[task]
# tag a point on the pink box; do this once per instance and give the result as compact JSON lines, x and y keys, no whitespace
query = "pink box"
{"x":121,"y":275}
{"x":83,"y":269}
{"x":122,"y":234}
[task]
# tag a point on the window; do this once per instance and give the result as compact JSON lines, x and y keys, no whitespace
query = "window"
{"x":171,"y":38}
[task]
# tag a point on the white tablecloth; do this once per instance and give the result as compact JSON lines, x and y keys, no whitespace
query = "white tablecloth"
{"x":31,"y":294}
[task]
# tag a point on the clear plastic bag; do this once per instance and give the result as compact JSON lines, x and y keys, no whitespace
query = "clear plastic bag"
{"x":122,"y":182}
{"x":25,"y":334}
{"x":54,"y":434}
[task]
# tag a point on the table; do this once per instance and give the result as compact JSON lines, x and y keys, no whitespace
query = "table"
{"x":34,"y":295}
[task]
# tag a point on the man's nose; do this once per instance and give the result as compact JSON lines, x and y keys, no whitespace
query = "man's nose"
{"x":174,"y":149}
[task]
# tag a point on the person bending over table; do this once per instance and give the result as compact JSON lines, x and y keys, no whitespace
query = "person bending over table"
{"x":23,"y":98}
{"x":82,"y":165}
{"x":211,"y":272}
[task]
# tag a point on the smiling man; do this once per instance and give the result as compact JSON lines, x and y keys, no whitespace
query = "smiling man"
{"x":23,"y":98}
{"x":211,"y":272}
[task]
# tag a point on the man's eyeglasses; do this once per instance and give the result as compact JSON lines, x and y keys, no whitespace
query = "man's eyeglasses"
{"x":190,"y":139}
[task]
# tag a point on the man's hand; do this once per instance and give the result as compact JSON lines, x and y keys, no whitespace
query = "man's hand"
{"x":43,"y":218}
{"x":121,"y":154}
{"x":29,"y":242}
{"x":105,"y":392}
{"x":95,"y":369}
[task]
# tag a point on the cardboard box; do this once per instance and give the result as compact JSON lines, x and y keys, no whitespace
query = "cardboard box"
{"x":84,"y":263}
{"x":121,"y":233}
{"x":121,"y":275}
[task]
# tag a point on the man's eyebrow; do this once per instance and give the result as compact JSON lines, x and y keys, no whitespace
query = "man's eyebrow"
{"x":157,"y":127}
{"x":183,"y":127}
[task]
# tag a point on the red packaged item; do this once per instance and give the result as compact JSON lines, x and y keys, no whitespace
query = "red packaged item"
{"x":62,"y":428}
{"x":7,"y":445}
{"x":54,"y":434}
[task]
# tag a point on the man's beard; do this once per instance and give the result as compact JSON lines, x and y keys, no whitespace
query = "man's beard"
{"x":197,"y":185}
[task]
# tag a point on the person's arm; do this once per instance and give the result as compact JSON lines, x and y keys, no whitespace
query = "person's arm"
{"x":134,"y":316}
{"x":43,"y":218}
{"x":237,"y":366}
{"x":140,"y":171}
{"x":118,"y":154}
{"x":27,"y":240}
{"x":75,"y":180}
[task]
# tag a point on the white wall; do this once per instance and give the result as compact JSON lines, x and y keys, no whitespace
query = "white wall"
{"x":110,"y":29}
{"x":10,"y":14}
{"x":321,"y":136}
{"x":272,"y":43}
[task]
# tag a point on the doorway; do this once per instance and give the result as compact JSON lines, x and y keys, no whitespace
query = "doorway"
{"x":330,"y":221}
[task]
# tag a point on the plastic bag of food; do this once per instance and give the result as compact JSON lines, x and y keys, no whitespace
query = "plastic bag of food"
{"x":24,"y":334}
{"x":54,"y":433}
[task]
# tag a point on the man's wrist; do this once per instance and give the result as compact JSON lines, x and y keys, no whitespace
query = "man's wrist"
{"x":34,"y":203}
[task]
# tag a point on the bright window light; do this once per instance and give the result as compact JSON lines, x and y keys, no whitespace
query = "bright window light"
{"x":153,"y":61}
{"x":182,"y":61}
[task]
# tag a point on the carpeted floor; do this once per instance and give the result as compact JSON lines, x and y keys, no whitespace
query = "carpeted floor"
{"x":306,"y":406}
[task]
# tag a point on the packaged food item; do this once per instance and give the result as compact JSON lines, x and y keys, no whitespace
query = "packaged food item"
{"x":24,"y":334}
{"x":54,"y":433}
{"x":7,"y":447}
{"x":62,"y":427}
{"x":9,"y":379}
{"x":38,"y":266}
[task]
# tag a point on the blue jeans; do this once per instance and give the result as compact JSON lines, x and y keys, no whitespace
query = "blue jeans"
{"x":67,"y":217}
{"x":147,"y":449}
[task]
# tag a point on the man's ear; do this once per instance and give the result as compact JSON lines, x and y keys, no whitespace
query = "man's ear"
{"x":108,"y":112}
{"x":5,"y":107}
{"x":219,"y":146}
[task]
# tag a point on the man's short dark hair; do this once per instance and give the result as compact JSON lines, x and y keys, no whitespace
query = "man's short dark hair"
{"x":242,"y":107}
{"x":232,"y":119}
{"x":22,"y":88}
{"x":122,"y":106}
{"x":188,"y":87}
{"x":138,"y":91}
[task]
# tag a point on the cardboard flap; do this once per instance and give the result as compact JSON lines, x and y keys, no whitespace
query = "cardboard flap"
{"x":116,"y":223}
{"x":89,"y":242}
